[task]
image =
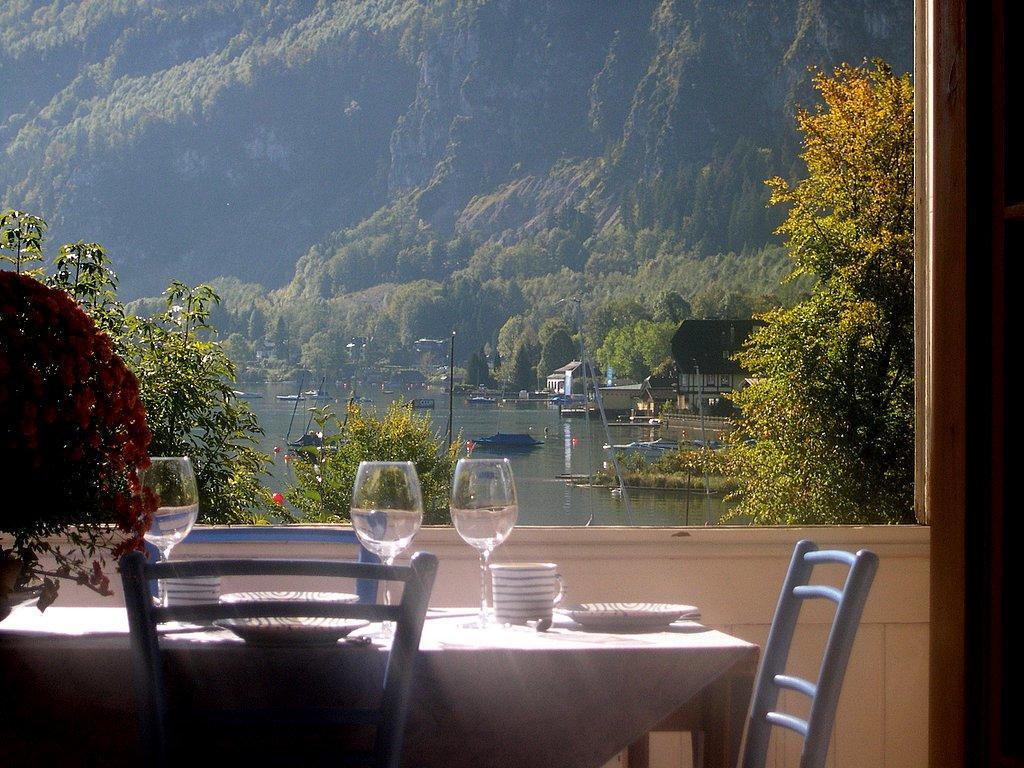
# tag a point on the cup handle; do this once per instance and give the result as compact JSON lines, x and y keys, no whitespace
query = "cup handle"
{"x":561,"y":590}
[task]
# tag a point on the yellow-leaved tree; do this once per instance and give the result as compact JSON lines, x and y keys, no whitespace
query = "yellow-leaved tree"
{"x":827,"y":425}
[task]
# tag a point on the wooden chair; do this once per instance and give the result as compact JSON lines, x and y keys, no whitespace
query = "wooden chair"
{"x":388,"y":719}
{"x":823,"y":694}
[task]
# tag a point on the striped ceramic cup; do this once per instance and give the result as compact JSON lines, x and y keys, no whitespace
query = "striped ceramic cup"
{"x":524,"y":591}
{"x":192,"y":591}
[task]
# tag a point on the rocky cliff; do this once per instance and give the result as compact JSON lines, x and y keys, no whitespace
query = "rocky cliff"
{"x":233,"y":138}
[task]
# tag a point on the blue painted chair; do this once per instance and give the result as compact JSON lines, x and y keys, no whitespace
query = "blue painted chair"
{"x":365,"y":588}
{"x":823,"y":694}
{"x":387,"y":719}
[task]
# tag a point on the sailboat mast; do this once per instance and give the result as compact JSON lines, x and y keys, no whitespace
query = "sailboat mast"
{"x":588,"y":370}
{"x":298,"y":394}
{"x":319,"y":394}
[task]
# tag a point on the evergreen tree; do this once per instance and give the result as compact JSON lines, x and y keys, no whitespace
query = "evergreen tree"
{"x":477,"y":372}
{"x":557,"y":350}
{"x":523,"y":374}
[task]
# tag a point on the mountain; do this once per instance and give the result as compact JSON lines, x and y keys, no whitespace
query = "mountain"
{"x":329,"y":148}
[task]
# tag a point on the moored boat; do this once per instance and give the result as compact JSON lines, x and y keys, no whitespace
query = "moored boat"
{"x":507,"y":441}
{"x":651,"y":449}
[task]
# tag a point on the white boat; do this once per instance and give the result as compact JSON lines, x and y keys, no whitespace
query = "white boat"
{"x":291,"y":398}
{"x":650,"y":449}
{"x":247,"y":395}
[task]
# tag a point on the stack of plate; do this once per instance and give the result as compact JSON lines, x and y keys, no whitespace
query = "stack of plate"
{"x":192,"y":591}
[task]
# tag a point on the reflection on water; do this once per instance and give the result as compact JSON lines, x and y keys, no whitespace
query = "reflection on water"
{"x":571,"y":447}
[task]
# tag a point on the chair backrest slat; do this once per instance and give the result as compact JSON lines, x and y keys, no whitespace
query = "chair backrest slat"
{"x":837,"y":556}
{"x":282,"y":609}
{"x":341,"y":569}
{"x":818,"y":592}
{"x":824,"y":693}
{"x":409,"y":615}
{"x":791,"y":722}
{"x":798,"y":684}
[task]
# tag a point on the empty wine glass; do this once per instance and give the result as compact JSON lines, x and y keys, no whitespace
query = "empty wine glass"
{"x":173,"y":484}
{"x":386,"y":512}
{"x":484,"y":510}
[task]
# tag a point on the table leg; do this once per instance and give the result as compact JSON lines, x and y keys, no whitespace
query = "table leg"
{"x":715,"y":718}
{"x":725,"y":713}
{"x":639,"y":753}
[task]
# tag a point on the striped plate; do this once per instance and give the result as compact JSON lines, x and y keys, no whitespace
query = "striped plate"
{"x":629,"y":616}
{"x":303,"y":630}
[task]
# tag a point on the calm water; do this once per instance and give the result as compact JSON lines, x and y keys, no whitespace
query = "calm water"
{"x":544,"y":499}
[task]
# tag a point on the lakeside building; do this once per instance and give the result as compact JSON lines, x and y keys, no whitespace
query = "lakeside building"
{"x":620,"y":400}
{"x":704,"y":352}
{"x":571,"y":379}
{"x":655,"y":392}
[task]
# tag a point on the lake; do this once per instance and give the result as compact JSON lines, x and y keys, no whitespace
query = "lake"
{"x":571,"y":446}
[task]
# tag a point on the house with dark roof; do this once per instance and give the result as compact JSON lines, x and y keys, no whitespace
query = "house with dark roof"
{"x":656,"y":391}
{"x":703,"y":351}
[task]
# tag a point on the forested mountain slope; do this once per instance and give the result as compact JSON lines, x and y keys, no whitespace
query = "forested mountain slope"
{"x":330,"y":149}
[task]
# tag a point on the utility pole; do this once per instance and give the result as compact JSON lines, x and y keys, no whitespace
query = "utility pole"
{"x":451,"y":386}
{"x":704,"y":439}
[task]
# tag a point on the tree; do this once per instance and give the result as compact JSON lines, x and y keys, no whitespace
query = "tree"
{"x":257,"y":326}
{"x":324,"y":482}
{"x":612,"y":313}
{"x":516,"y":330}
{"x":556,"y":350}
{"x":635,"y":350}
{"x":717,"y":303}
{"x":477,"y":372}
{"x":671,"y":307}
{"x":322,"y":352}
{"x":522,"y":374}
{"x":21,"y":237}
{"x":828,"y":422}
{"x":237,"y":348}
{"x":280,"y":337}
{"x":186,"y":383}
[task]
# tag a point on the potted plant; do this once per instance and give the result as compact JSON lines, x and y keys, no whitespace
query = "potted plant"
{"x":73,"y":438}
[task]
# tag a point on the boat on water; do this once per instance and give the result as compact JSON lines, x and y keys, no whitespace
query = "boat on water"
{"x":481,"y":400}
{"x":308,"y":440}
{"x":713,"y":444}
{"x":506,"y":441}
{"x":423,"y":403}
{"x":650,"y":449}
{"x":291,"y":398}
{"x":247,"y":395}
{"x":316,"y":394}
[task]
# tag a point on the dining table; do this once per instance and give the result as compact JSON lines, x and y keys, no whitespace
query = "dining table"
{"x":506,"y":696}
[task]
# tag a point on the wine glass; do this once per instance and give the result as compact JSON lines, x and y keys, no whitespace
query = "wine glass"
{"x":484,"y":510}
{"x":386,"y":512}
{"x":173,"y":484}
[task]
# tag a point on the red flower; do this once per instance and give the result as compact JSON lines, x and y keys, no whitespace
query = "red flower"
{"x":72,"y":429}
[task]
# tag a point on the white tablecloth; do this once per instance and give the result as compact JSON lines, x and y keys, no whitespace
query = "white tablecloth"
{"x":511,"y":697}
